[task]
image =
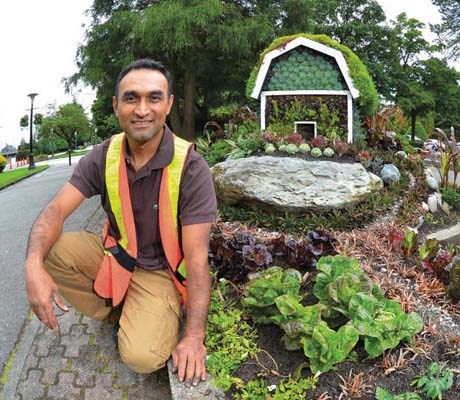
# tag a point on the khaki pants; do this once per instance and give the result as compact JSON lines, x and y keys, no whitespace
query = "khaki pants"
{"x":150,"y":318}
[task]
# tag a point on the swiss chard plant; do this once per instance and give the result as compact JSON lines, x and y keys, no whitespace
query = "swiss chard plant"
{"x":382,"y":322}
{"x":327,"y":347}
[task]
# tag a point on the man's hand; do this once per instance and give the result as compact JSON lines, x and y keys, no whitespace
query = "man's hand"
{"x":189,"y":360}
{"x":41,"y":291}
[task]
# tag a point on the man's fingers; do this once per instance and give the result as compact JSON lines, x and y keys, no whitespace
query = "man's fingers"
{"x":175,"y":361}
{"x":59,"y":302}
{"x":181,"y":368}
{"x":203,"y":368}
{"x":53,"y":324}
{"x":197,"y":373}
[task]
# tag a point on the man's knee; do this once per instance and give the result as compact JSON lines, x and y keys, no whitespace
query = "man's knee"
{"x":142,"y":361}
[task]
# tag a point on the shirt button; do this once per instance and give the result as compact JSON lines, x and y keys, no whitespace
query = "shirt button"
{"x":155,"y":206}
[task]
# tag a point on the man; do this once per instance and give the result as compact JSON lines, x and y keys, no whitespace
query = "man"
{"x":142,"y":180}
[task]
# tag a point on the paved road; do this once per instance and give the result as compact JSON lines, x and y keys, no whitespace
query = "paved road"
{"x":19,"y":206}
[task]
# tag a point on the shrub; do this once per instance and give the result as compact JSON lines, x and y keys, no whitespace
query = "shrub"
{"x":451,"y":197}
{"x":328,"y":152}
{"x":319,"y":142}
{"x":292,"y":148}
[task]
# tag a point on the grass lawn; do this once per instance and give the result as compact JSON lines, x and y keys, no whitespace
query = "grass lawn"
{"x":7,"y":178}
{"x":74,"y":153}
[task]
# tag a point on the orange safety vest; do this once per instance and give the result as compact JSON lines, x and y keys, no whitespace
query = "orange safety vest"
{"x":120,"y":257}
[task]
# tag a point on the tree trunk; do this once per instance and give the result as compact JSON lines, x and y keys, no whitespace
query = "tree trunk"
{"x":69,"y":145}
{"x":175,"y":114}
{"x":188,"y":131}
{"x":413,"y":117}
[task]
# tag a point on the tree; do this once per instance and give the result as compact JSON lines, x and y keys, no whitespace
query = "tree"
{"x":443,"y":82}
{"x":65,"y":122}
{"x":407,"y":45}
{"x":24,"y":122}
{"x":208,"y":45}
{"x":449,"y":30}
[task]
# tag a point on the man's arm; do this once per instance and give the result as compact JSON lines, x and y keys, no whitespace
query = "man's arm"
{"x":189,"y":357}
{"x":40,"y":287}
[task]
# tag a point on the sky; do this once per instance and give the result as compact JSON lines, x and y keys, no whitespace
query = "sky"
{"x":38,"y":45}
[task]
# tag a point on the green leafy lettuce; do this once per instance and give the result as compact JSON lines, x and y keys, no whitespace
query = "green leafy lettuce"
{"x":263,"y":290}
{"x":382,"y":322}
{"x":326,"y":347}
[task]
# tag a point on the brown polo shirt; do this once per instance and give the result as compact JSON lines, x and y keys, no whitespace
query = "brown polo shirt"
{"x":197,"y":200}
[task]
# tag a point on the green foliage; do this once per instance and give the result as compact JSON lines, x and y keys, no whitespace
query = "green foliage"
{"x":218,"y":151}
{"x":292,"y":148}
{"x":347,"y":298}
{"x":24,"y":122}
{"x":382,"y":394}
{"x":420,"y":131}
{"x":338,"y":280}
{"x":362,"y":81}
{"x":304,"y":148}
{"x":437,"y":380}
{"x":294,"y":389}
{"x":316,"y":152}
{"x":382,"y":322}
{"x":68,"y":119}
{"x":253,"y":390}
{"x":302,"y":69}
{"x":328,"y":152}
{"x":409,"y":244}
{"x":265,"y":288}
{"x":326,"y":347}
{"x":448,"y":30}
{"x":229,"y":339}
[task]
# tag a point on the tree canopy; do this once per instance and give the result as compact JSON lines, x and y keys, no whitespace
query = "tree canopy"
{"x":449,"y":29}
{"x":210,"y":47}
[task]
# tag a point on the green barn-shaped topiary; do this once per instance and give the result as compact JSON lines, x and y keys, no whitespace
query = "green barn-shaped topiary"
{"x":312,"y":83}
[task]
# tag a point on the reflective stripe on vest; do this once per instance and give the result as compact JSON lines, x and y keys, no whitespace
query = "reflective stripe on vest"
{"x":116,"y":269}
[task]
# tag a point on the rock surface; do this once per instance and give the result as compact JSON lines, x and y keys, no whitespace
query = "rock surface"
{"x":390,"y":173}
{"x":292,"y":184}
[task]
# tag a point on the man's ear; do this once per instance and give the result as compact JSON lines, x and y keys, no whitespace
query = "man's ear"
{"x":115,"y":104}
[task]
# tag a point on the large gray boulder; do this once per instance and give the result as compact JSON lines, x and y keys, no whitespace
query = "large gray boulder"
{"x":292,"y":184}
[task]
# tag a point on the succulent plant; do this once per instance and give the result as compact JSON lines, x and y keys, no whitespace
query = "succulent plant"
{"x":316,"y":152}
{"x":282,"y":147}
{"x":328,"y":152}
{"x":269,"y":148}
{"x":304,"y":148}
{"x":292,"y":148}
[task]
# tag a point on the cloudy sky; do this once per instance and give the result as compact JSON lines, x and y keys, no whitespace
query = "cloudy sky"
{"x":38,"y":43}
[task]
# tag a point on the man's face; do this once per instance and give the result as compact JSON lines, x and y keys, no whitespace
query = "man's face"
{"x":142,"y":104}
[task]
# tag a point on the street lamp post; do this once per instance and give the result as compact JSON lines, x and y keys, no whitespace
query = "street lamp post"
{"x":31,"y":155}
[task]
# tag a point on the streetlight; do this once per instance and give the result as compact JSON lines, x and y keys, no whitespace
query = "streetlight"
{"x":31,"y":155}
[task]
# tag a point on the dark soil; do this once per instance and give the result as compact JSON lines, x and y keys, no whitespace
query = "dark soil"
{"x":372,"y":371}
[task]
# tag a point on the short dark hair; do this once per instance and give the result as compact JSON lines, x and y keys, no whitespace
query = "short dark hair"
{"x":144,"y":63}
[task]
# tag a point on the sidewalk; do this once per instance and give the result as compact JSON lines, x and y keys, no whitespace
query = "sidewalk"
{"x":84,"y":364}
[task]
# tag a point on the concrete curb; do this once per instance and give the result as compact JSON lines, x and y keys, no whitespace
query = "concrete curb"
{"x":204,"y":390}
{"x":448,"y":236}
{"x":25,"y":343}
